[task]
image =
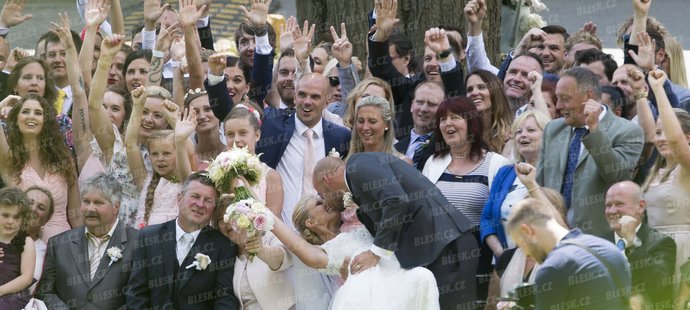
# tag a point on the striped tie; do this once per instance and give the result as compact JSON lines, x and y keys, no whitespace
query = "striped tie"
{"x":96,"y":255}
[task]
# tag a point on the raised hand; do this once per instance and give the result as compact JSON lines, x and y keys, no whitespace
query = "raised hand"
{"x":189,"y":13}
{"x":139,"y":97}
{"x":386,"y":10}
{"x":645,"y":51}
{"x":217,"y":63}
{"x":111,"y":45}
{"x":286,"y":41}
{"x":592,"y":111}
{"x":177,"y":49}
{"x":152,"y":12}
{"x":258,"y":14}
{"x":166,"y":36}
{"x":302,"y":40}
{"x":62,"y":30}
{"x":15,"y":56}
{"x":589,"y":27}
{"x":436,"y":40}
{"x":186,"y":126}
{"x":171,"y":112}
{"x":535,"y":80}
{"x":11,"y":14}
{"x":475,"y":11}
{"x":7,"y":104}
{"x":529,"y":39}
{"x":527,"y":175}
{"x":341,"y":48}
{"x":636,"y":80}
{"x":95,"y":12}
{"x":641,"y":7}
{"x":657,"y":78}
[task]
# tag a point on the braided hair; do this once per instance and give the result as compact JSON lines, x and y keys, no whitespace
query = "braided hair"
{"x":160,"y":135}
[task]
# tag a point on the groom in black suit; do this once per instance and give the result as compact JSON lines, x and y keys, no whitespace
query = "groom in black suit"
{"x":409,"y":217}
{"x":161,"y":277}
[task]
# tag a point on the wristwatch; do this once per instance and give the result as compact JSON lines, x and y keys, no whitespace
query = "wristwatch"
{"x":445,"y":53}
{"x":635,"y":244}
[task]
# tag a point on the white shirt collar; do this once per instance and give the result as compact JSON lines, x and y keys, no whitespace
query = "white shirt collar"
{"x":301,"y":127}
{"x":109,"y":234}
{"x":283,"y":105}
{"x":179,"y":231}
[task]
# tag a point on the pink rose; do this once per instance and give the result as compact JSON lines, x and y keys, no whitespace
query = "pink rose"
{"x":260,"y":222}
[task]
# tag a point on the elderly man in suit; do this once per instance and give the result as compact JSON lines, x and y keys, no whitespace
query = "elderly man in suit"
{"x":578,"y":271}
{"x":408,"y":217}
{"x":587,"y":150}
{"x":88,"y":267}
{"x":184,"y":263}
{"x":652,"y":255}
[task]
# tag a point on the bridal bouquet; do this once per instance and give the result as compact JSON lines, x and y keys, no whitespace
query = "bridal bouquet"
{"x":230,"y":165}
{"x":249,"y":215}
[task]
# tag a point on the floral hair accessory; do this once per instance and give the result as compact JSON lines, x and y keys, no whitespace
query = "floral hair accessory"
{"x":195,"y":92}
{"x":251,"y":110}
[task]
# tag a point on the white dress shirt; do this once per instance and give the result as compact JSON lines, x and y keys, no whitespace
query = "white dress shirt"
{"x":291,"y":165}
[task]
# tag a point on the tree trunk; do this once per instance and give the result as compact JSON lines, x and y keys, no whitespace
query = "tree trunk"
{"x":416,"y":16}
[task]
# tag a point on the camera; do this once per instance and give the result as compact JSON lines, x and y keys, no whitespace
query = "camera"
{"x":521,"y":298}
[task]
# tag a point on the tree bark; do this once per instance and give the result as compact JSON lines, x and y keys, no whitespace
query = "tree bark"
{"x":416,"y":16}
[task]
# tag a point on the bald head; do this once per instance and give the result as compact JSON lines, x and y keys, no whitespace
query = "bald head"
{"x":324,"y":167}
{"x":316,"y":78}
{"x":624,"y":199}
{"x":629,"y":188}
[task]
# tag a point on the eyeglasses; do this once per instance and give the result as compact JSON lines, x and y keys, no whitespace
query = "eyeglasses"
{"x":334,"y":81}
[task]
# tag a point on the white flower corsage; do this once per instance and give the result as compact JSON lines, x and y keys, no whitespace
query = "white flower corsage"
{"x":334,"y":153}
{"x":347,"y":200}
{"x":201,"y":262}
{"x":115,"y":254}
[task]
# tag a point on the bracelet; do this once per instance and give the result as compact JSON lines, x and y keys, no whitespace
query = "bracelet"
{"x":531,"y":190}
{"x":259,"y":31}
{"x":157,"y":54}
{"x":640,"y":95}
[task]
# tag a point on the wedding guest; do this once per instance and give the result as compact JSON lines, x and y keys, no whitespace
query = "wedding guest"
{"x":507,"y":189}
{"x":374,"y":130}
{"x":463,"y":168}
{"x":19,"y":256}
{"x":259,"y":282}
{"x":43,"y":206}
{"x":88,"y":267}
{"x":136,"y":69}
{"x":162,"y":275}
{"x":368,"y":87}
{"x":33,"y":133}
{"x":485,"y":90}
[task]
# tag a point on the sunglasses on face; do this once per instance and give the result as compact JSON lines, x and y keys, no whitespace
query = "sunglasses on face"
{"x":334,"y":81}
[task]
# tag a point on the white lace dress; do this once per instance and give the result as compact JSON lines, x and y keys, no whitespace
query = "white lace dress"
{"x":385,"y":286}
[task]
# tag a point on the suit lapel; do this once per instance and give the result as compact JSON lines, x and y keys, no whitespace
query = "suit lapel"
{"x":80,"y":248}
{"x":168,"y":249}
{"x":290,"y":129}
{"x":564,"y":137}
{"x":603,"y":125}
{"x":118,"y":240}
{"x":185,"y":274}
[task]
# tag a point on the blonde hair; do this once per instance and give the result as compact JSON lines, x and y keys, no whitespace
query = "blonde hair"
{"x":356,"y":94}
{"x":300,"y":217}
{"x":159,"y":135}
{"x":540,"y":118}
{"x":356,"y":145}
{"x":677,"y":66}
{"x":330,"y":66}
{"x":158,"y":92}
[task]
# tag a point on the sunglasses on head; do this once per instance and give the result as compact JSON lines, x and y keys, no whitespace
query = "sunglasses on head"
{"x":334,"y":81}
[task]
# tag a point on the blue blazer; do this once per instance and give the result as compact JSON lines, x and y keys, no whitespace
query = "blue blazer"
{"x":278,"y":127}
{"x":490,"y":222}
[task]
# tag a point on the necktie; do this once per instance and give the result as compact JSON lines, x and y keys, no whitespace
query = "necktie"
{"x":573,"y":156}
{"x":421,"y":140}
{"x":620,"y":244}
{"x":96,"y":255}
{"x":183,"y":247}
{"x":309,"y":162}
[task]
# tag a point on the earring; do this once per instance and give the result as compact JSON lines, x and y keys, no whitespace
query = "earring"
{"x":386,"y":129}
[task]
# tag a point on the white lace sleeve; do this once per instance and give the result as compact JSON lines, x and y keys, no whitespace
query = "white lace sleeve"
{"x":345,"y":245}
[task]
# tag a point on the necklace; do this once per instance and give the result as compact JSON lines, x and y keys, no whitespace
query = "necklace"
{"x":459,"y":157}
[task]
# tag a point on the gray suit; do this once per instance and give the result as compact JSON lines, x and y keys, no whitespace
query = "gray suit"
{"x":66,"y":281}
{"x":610,"y":155}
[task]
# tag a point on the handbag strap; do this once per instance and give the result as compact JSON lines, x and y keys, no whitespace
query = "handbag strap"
{"x":616,"y":279}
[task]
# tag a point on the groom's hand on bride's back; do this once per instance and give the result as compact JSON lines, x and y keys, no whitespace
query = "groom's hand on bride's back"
{"x":345,"y":268}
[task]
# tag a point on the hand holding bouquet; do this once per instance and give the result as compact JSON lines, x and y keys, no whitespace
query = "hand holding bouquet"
{"x":249,"y":215}
{"x":232,"y":165}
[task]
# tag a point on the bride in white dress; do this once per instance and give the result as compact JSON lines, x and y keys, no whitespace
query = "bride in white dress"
{"x":385,"y":286}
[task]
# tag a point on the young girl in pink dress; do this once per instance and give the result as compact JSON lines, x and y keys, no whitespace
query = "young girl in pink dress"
{"x":168,"y":155}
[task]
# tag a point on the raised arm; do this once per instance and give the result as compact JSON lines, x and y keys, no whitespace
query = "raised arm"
{"x":189,"y":15}
{"x":100,"y":124}
{"x":117,"y":20}
{"x":262,"y":68}
{"x":183,"y":131}
{"x":676,"y":138}
{"x":163,"y":42}
{"x":477,"y":58}
{"x":641,"y":11}
{"x":342,"y":51}
{"x":134,"y":158}
{"x":302,"y":47}
{"x":218,"y":97}
{"x":5,"y":107}
{"x":274,"y":192}
{"x":537,"y":96}
{"x":95,"y":13}
{"x":309,"y":254}
{"x":12,"y":15}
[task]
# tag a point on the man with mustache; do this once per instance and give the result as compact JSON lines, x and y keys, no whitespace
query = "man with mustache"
{"x":88,"y":267}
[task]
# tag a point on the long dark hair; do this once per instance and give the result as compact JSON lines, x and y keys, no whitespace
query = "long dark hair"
{"x":53,"y":152}
{"x":501,"y":116}
{"x":463,"y":107}
{"x":126,"y":101}
{"x":50,"y":93}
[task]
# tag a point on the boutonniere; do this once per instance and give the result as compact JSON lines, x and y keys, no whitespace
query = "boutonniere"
{"x":115,"y":254}
{"x":201,"y":262}
{"x":348,"y":202}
